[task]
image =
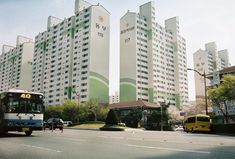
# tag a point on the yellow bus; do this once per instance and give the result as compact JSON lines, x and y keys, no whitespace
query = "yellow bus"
{"x":197,"y":123}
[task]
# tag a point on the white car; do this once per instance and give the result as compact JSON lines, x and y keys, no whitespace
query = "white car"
{"x":179,"y":128}
{"x":67,"y":123}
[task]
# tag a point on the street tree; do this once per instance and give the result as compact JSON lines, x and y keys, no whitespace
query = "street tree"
{"x":174,"y":115}
{"x":102,"y":112}
{"x":224,"y":93}
{"x":78,"y":112}
{"x":71,"y":111}
{"x":92,"y":106}
{"x":199,"y":107}
{"x":53,"y":111}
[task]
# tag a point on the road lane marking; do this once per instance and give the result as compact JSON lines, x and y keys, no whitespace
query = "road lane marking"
{"x":72,"y":139}
{"x":41,"y":148}
{"x":182,"y":142}
{"x":116,"y":137}
{"x":102,"y":136}
{"x":166,"y":141}
{"x":110,"y":137}
{"x":170,"y":149}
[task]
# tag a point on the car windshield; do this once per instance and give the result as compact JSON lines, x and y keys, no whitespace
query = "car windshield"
{"x":54,"y":120}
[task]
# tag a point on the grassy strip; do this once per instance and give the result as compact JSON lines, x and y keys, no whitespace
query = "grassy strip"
{"x":89,"y":126}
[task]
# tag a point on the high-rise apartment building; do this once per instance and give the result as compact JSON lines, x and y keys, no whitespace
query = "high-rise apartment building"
{"x":16,"y":65}
{"x":153,"y":59}
{"x":71,"y":58}
{"x":114,"y":98}
{"x":209,"y":61}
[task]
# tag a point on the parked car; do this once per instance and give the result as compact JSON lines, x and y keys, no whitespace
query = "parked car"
{"x":179,"y":128}
{"x":53,"y":123}
{"x":67,"y":123}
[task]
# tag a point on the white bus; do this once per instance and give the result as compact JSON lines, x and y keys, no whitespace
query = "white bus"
{"x":21,"y":111}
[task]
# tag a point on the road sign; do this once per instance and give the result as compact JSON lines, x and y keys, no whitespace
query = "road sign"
{"x":216,"y":78}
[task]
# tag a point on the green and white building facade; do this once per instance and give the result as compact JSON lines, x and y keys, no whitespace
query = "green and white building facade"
{"x":152,"y":59}
{"x":16,"y":65}
{"x":71,"y":58}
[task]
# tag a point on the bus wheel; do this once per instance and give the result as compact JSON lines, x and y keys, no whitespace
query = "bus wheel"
{"x":2,"y":133}
{"x":28,"y":133}
{"x":192,"y":130}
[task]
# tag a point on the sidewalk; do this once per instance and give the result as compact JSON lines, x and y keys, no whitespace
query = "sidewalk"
{"x":134,"y":129}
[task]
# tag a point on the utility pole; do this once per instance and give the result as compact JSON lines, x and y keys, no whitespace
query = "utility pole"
{"x":161,"y":118}
{"x":204,"y":76}
{"x":161,"y":104}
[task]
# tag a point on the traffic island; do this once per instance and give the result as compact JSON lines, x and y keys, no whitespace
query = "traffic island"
{"x":112,"y":128}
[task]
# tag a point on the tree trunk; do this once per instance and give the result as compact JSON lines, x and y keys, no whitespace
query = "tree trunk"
{"x":95,"y":116}
{"x":226,"y":112}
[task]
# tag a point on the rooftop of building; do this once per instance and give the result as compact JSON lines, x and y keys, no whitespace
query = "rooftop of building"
{"x":227,"y":70}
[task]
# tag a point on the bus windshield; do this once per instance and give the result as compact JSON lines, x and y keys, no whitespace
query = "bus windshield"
{"x":24,"y":105}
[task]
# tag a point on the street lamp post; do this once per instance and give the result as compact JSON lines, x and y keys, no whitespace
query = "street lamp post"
{"x":161,"y":104}
{"x":78,"y":96}
{"x":204,"y":76}
{"x":161,"y":118}
{"x":144,"y":118}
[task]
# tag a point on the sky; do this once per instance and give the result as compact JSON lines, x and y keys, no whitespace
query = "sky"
{"x":201,"y":21}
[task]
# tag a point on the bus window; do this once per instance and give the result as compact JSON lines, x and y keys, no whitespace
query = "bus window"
{"x":203,"y":119}
{"x":13,"y":106}
{"x":191,"y":120}
{"x":33,"y":106}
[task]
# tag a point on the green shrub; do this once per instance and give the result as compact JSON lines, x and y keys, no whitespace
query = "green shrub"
{"x":133,"y":118}
{"x":112,"y":118}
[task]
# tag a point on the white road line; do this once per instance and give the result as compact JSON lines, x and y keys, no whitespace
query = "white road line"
{"x":103,"y":136}
{"x":41,"y":148}
{"x":116,"y":137}
{"x":72,"y":139}
{"x":111,"y":137}
{"x":170,"y":149}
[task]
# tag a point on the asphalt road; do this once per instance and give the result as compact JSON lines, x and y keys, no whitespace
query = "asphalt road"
{"x":136,"y":144}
